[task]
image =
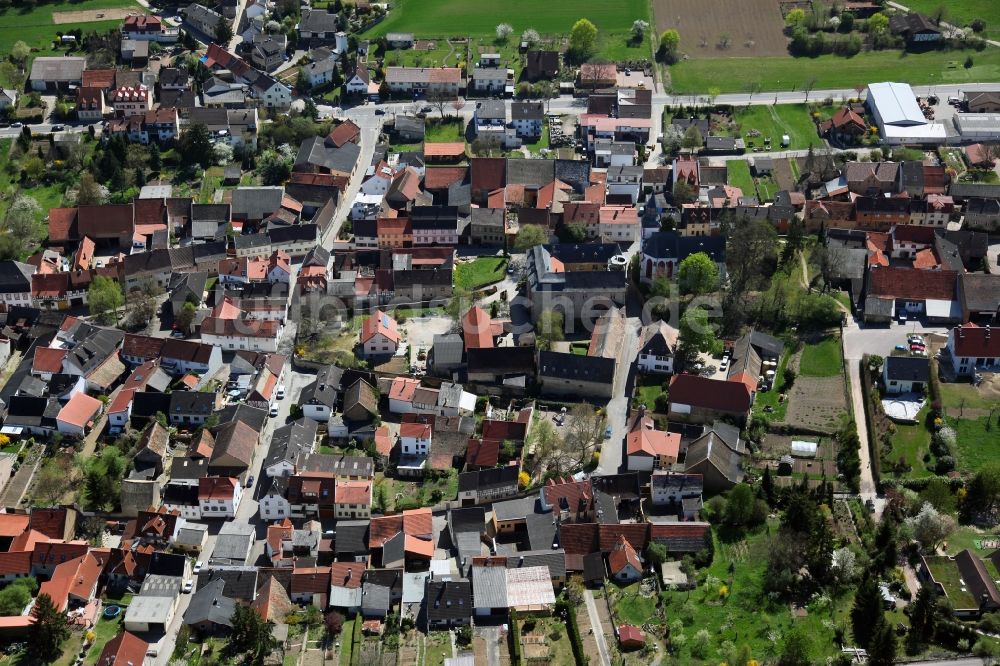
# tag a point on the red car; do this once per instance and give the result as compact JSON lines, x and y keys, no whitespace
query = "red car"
{"x":916,"y":347}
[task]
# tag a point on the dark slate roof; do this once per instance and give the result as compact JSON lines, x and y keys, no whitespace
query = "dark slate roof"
{"x":583,"y":253}
{"x":908,"y":368}
{"x":448,"y":600}
{"x":210,"y":604}
{"x":541,"y":530}
{"x":288,"y":442}
{"x":576,"y":367}
{"x":351,"y":536}
{"x":670,"y":244}
{"x":252,"y":416}
{"x":980,"y":291}
{"x":239,"y":582}
{"x":15,"y":277}
{"x":494,"y":477}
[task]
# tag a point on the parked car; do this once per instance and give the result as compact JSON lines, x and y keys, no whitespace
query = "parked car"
{"x":281,"y":392}
{"x":197,"y":566}
{"x":58,"y":128}
{"x":607,"y":433}
{"x":379,"y":112}
{"x":249,"y":483}
{"x":188,"y":586}
{"x":274,"y":411}
{"x":901,"y":347}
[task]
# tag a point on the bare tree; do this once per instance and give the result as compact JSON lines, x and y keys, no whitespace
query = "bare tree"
{"x":810,"y":84}
{"x":439,"y":99}
{"x":458,"y":104}
{"x":586,"y":428}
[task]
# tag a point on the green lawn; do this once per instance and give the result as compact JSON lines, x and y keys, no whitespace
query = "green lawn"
{"x":211,"y":182}
{"x":976,"y":445}
{"x":956,"y":396}
{"x":963,"y":13}
{"x":633,"y":608}
{"x":748,"y":616}
{"x":432,"y":18}
{"x":911,"y":442}
{"x":770,"y":398}
{"x":479,"y":273}
{"x":647,"y":388}
{"x":739,"y":176}
{"x":774,"y":121}
{"x":104,"y":631}
{"x":35,"y":25}
{"x":945,"y":571}
{"x":445,"y":131}
{"x":832,"y":72}
{"x":822,"y":359}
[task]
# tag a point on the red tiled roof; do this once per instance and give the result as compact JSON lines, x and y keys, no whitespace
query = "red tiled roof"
{"x":678,"y":530}
{"x":440,"y":178}
{"x":383,"y":528}
{"x":107,"y":221}
{"x":346,"y":574}
{"x":98,"y":78}
{"x":380,"y":322}
{"x":629,"y":635}
{"x":477,"y":329}
{"x":12,"y":524}
{"x":15,"y":563}
{"x":446,"y":149}
{"x":80,"y":409}
{"x":50,"y":522}
{"x":216,"y":487}
{"x":575,"y":493}
{"x":125,"y":648}
{"x":622,"y":555}
{"x":644,"y":439}
{"x":50,"y":553}
{"x":62,"y":224}
{"x":503,"y":430}
{"x":403,"y":388}
{"x":422,"y":547}
{"x":708,"y":393}
{"x":311,"y":580}
{"x":353,"y":492}
{"x":636,"y":534}
{"x":415,"y":430}
{"x":343,"y":133}
{"x":383,"y":441}
{"x":417,"y":522}
{"x":488,"y":173}
{"x":977,"y":341}
{"x":578,"y":538}
{"x":48,"y":360}
{"x":911,"y":283}
{"x":483,"y":453}
{"x":142,"y":346}
{"x":913,"y":233}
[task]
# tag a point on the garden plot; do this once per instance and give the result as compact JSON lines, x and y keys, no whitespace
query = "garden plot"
{"x":816,"y":404}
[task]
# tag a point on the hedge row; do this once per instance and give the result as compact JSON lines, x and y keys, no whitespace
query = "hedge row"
{"x":516,"y":659}
{"x":564,"y":606}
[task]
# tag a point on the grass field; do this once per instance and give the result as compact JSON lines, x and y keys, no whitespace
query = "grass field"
{"x":911,"y":441}
{"x":633,"y":608}
{"x":832,"y":72}
{"x":770,"y":398}
{"x":956,"y":396}
{"x":35,"y":27}
{"x":976,"y":445}
{"x":448,"y":130}
{"x":738,"y":172}
{"x":963,"y":13}
{"x":774,"y":121}
{"x":822,"y":359}
{"x":748,"y":616}
{"x":431,"y":18}
{"x":480,"y":272}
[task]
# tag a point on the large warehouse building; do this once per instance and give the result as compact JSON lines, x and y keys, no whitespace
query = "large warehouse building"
{"x":898,"y":116}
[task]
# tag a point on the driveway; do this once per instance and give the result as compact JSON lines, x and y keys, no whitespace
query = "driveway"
{"x":859,"y":340}
{"x":595,"y":625}
{"x":617,"y":409}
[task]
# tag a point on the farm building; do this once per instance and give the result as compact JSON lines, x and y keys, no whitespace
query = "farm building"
{"x":895,"y":110}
